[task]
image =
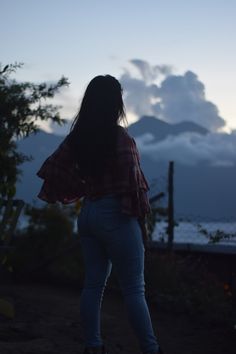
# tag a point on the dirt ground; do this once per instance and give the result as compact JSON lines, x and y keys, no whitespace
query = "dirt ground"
{"x":47,"y":321}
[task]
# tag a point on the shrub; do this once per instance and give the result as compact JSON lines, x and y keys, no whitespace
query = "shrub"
{"x":183,"y":284}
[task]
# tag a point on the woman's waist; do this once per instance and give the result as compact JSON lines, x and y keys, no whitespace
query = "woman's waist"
{"x":109,"y":200}
{"x":99,"y":197}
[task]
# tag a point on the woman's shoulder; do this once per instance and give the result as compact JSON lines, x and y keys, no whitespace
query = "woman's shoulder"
{"x":127,"y":148}
{"x":124,"y":135}
{"x":121,"y":129}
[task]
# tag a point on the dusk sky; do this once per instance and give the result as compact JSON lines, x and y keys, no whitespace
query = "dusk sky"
{"x":82,"y":39}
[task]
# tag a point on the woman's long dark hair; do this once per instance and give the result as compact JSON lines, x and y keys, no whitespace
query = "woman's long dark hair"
{"x":93,"y":134}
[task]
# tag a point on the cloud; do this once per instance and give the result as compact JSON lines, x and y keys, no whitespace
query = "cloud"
{"x":141,"y":93}
{"x":69,"y":107}
{"x":174,"y":99}
{"x":148,"y":72}
{"x":215,"y":149}
{"x":138,"y":94}
{"x":183,"y":98}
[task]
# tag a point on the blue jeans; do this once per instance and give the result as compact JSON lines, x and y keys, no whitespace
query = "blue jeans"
{"x":111,"y":239}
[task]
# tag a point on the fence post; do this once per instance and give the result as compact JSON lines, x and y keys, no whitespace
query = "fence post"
{"x":170,"y":229}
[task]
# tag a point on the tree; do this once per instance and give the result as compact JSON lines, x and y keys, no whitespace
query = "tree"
{"x":22,"y":105}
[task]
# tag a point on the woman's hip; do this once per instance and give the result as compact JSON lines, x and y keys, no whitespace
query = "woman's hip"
{"x":104,"y":219}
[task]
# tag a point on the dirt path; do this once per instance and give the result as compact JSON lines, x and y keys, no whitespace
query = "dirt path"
{"x":47,"y":321}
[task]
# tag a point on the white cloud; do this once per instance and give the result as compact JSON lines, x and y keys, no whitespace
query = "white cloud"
{"x":175,"y":99}
{"x":183,"y":98}
{"x":138,"y":94}
{"x":216,"y":149}
{"x":148,"y":72}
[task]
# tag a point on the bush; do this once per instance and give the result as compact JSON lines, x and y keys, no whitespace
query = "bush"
{"x":184,"y":285}
{"x":48,"y":246}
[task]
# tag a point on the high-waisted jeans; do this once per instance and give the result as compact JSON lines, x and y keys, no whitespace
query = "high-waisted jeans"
{"x":112,"y":239}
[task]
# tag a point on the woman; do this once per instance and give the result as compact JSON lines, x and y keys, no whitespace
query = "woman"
{"x":100,"y":162}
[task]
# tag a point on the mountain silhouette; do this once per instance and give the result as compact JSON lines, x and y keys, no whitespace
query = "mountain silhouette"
{"x":160,"y":129}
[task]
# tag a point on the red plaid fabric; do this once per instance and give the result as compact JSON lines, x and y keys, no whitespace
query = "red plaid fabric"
{"x":122,"y":176}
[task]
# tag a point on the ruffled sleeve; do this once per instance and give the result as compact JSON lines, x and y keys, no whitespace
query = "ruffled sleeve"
{"x":61,"y":179}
